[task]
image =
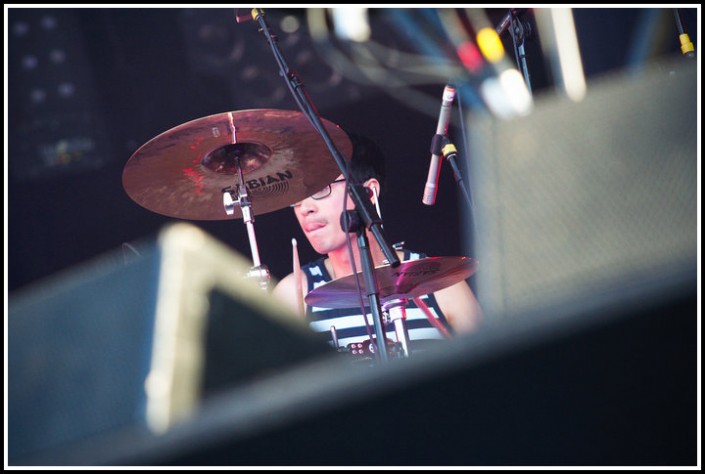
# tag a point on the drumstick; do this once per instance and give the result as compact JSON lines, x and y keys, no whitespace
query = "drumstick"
{"x":297,"y":277}
{"x":431,"y":318}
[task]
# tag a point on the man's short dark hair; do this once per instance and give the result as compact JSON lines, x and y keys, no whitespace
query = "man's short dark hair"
{"x":367,"y":160}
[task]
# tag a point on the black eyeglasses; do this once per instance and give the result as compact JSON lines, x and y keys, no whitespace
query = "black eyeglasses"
{"x":322,"y":194}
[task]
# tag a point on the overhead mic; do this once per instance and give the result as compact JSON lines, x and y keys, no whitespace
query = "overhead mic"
{"x":429,"y":194}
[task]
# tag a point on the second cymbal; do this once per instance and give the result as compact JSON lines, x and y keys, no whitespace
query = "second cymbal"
{"x":184,"y":171}
{"x":410,"y":279}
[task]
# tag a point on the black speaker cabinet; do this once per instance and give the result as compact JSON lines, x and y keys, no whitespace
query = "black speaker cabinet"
{"x":120,"y":348}
{"x":582,"y":203}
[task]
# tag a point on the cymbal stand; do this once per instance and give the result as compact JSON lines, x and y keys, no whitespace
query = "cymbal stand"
{"x":397,"y":314}
{"x":258,"y":271}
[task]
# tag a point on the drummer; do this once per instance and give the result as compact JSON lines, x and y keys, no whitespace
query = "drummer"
{"x":454,"y":307}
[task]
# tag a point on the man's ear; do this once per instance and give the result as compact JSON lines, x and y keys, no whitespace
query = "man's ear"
{"x":373,"y":187}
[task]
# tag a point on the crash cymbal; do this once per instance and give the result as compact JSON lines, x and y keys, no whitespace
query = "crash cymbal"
{"x":184,"y":171}
{"x":410,"y":279}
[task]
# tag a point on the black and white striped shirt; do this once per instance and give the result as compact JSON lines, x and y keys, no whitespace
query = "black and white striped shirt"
{"x":349,"y":323}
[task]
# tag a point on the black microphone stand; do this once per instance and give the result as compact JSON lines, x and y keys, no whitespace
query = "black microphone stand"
{"x":520,"y":31}
{"x":363,"y":206}
{"x":449,"y":152}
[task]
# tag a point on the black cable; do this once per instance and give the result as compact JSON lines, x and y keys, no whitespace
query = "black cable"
{"x":686,"y":45}
{"x":679,"y":23}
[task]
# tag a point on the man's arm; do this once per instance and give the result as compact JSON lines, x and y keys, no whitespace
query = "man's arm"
{"x":461,"y":308}
{"x":286,"y":290}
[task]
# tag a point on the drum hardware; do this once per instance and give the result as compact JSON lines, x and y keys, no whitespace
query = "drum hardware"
{"x":396,"y":309}
{"x":334,"y":337}
{"x":369,"y":347}
{"x":258,"y":272}
{"x":366,"y":348}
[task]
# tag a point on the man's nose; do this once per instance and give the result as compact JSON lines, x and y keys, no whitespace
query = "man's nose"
{"x":307,"y":206}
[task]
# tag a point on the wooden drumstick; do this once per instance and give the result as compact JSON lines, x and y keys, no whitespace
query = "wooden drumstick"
{"x":297,"y":277}
{"x":431,"y":318}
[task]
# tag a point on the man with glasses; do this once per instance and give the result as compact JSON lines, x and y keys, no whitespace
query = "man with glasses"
{"x":454,"y":307}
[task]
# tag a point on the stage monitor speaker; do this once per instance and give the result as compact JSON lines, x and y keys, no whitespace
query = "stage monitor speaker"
{"x":621,"y":391}
{"x":618,"y":390}
{"x":579,"y":204}
{"x":116,"y":349}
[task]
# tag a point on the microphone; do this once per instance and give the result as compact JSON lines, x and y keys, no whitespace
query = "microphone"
{"x":434,"y":170}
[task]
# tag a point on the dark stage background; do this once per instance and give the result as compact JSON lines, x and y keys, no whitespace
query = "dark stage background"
{"x":87,"y":87}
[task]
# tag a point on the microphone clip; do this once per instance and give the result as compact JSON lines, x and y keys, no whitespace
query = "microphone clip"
{"x":448,"y":150}
{"x":511,"y":22}
{"x":243,"y":15}
{"x":437,"y":143}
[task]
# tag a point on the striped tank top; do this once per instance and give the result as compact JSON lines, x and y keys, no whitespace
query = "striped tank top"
{"x":349,"y":323}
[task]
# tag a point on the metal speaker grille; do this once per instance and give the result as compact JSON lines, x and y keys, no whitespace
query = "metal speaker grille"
{"x":582,"y":204}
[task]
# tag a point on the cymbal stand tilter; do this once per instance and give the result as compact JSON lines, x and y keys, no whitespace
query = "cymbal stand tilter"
{"x":258,"y":271}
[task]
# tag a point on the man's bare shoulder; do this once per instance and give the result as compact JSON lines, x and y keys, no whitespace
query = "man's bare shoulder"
{"x":285,"y":284}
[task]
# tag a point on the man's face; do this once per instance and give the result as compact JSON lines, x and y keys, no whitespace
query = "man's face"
{"x":320,"y":219}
